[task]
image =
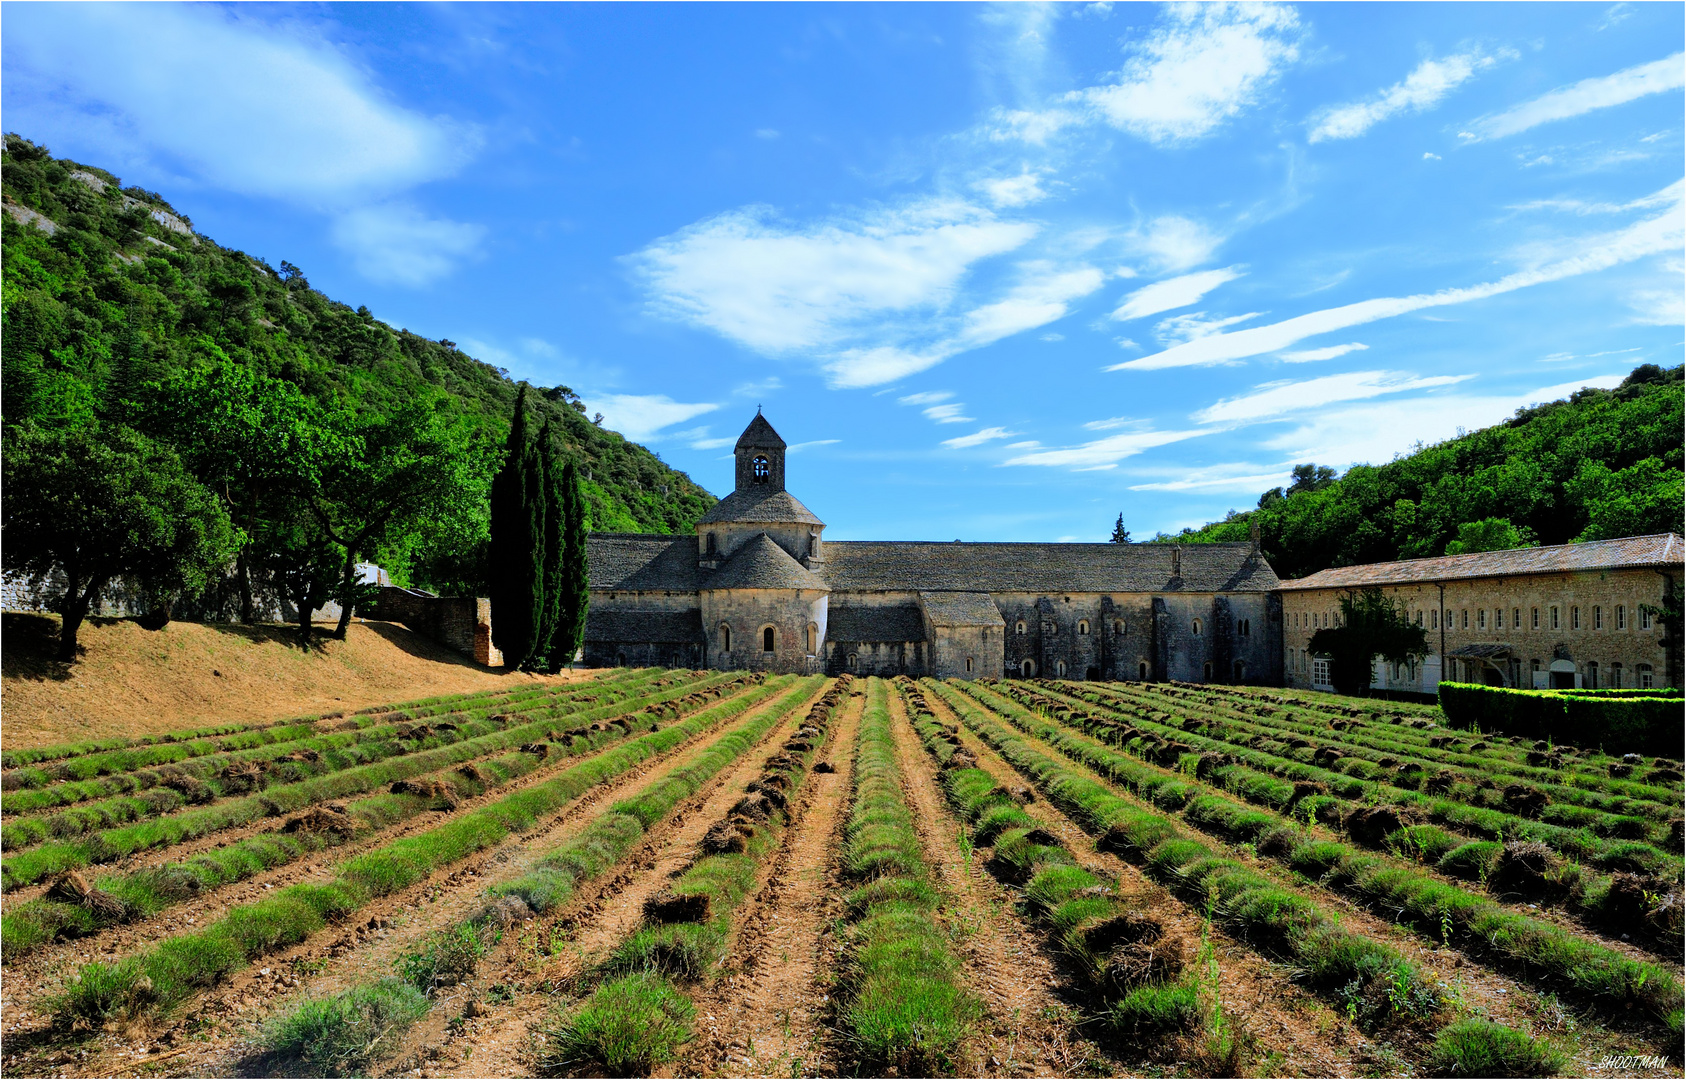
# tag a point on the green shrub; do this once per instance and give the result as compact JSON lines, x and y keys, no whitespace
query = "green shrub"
{"x":1619,"y":724}
{"x":1483,"y":1048}
{"x":626,"y":1027}
{"x":1155,"y":1011}
{"x":342,"y":1035}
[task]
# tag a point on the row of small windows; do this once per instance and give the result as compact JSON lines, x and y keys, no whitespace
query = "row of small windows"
{"x":1552,"y":615}
{"x":1243,"y":627}
{"x":770,"y":638}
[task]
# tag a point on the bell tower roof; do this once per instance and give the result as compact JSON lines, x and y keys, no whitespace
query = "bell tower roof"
{"x":759,"y":435}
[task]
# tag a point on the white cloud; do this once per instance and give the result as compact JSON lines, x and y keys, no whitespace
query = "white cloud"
{"x":770,"y":385}
{"x":1284,"y":398}
{"x":795,"y":447}
{"x":978,"y":438}
{"x":778,"y":287}
{"x":1196,"y":325}
{"x":947,"y":414}
{"x":1376,"y":431}
{"x":639,"y":416}
{"x":1668,"y":195}
{"x":1234,"y":477}
{"x":1041,"y":297}
{"x":1011,"y":191}
{"x":1658,"y":235}
{"x":1204,"y":65}
{"x":401,"y":245}
{"x":1428,"y":156}
{"x":1053,"y":336}
{"x":929,"y":397}
{"x":1104,"y":453}
{"x":235,"y":100}
{"x":1173,"y":293}
{"x":1328,"y":353}
{"x":1177,"y":243}
{"x":1113,"y":423}
{"x":1586,"y":96}
{"x":1420,"y":91}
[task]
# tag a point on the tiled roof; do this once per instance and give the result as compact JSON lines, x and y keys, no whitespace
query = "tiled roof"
{"x":760,"y":434}
{"x":915,"y":566}
{"x":846,"y":625}
{"x":1660,"y":549}
{"x":762,"y":564}
{"x":649,"y":627}
{"x":960,"y":608}
{"x":642,"y":561}
{"x":760,"y":505}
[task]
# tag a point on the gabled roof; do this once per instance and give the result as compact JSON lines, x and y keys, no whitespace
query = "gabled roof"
{"x":762,"y":564}
{"x":960,"y":609}
{"x":1659,"y":549}
{"x":647,"y":562}
{"x":760,"y":435}
{"x":1043,"y":568}
{"x":847,"y":625}
{"x":761,"y":505}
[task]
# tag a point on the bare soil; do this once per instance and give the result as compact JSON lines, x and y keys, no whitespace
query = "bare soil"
{"x":131,"y":681}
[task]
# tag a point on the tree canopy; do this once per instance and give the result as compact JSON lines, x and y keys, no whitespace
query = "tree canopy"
{"x":1371,"y":625}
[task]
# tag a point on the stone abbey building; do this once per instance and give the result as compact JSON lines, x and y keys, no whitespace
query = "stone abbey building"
{"x":759,"y":588}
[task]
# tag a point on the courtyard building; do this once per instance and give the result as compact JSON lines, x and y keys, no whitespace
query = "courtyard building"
{"x":758,"y":587}
{"x":1575,"y":615}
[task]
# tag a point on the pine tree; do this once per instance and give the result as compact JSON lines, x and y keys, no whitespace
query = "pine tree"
{"x":555,"y":539}
{"x":1120,"y":535}
{"x":574,"y":593}
{"x":517,"y":547}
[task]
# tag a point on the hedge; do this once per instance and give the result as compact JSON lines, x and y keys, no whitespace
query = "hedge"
{"x":1619,"y":725}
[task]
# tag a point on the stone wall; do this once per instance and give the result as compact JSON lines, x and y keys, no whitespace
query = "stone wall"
{"x":462,"y":623}
{"x":1194,"y":637}
{"x":1600,"y":633}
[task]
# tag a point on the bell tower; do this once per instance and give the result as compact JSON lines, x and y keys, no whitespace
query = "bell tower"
{"x":760,"y":454}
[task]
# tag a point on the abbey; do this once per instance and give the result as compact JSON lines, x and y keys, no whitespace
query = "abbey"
{"x":759,"y":588}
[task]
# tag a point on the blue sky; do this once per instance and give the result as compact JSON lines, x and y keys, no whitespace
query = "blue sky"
{"x":996,"y":273}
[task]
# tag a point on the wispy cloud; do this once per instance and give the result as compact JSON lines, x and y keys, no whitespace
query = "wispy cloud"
{"x":1232,"y":477}
{"x":640,"y":416}
{"x":978,"y":438}
{"x":1585,"y":96}
{"x":1202,"y":66}
{"x":1013,"y":191}
{"x":1421,"y":90}
{"x":1104,"y":453}
{"x":1196,"y":325}
{"x":1286,"y":398}
{"x":947,"y":414}
{"x":401,"y":245}
{"x":1658,"y":235}
{"x":929,"y":397}
{"x":1173,"y":293}
{"x":1329,"y":353}
{"x":797,"y":447}
{"x":1172,"y":242}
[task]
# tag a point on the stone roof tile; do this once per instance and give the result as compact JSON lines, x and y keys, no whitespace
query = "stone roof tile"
{"x":644,"y":627}
{"x":760,"y":435}
{"x":1659,"y":549}
{"x":772,"y":507}
{"x":762,"y":564}
{"x":960,"y":609}
{"x":931,"y":566}
{"x":643,"y":562}
{"x":869,"y":623}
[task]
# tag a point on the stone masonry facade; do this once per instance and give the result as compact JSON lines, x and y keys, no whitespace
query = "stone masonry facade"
{"x":1569,"y":616}
{"x":759,"y":588}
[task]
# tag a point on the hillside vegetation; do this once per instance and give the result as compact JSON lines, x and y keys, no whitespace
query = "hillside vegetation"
{"x":111,"y":300}
{"x":1599,"y":465}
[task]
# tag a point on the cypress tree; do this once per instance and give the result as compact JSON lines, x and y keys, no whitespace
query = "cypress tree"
{"x":517,"y":547}
{"x":575,"y":595}
{"x":555,"y":539}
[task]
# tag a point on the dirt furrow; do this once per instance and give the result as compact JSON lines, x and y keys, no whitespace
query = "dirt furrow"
{"x":222,"y":1022}
{"x":765,"y":1014}
{"x":545,"y":957}
{"x":1470,"y":986}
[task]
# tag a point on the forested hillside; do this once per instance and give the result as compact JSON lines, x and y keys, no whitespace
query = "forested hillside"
{"x":119,"y":319}
{"x":1601,"y":464}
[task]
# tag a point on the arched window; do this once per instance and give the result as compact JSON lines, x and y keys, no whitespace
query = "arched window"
{"x":1645,"y":676}
{"x":1208,"y":671}
{"x":767,"y":639}
{"x":854,"y":662}
{"x":1143,"y":671}
{"x":725,"y":638}
{"x":1615,"y":674}
{"x":1028,"y":668}
{"x":713,"y":546}
{"x":1118,"y":626}
{"x":1591,"y":680}
{"x":758,"y":469}
{"x":1197,"y":628}
{"x":1082,"y":626}
{"x":813,"y":639}
{"x":1621,"y":616}
{"x":1059,"y":669}
{"x":1018,"y":627}
{"x":968,"y":665}
{"x":1240,"y":671}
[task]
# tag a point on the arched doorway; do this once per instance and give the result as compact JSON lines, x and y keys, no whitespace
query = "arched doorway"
{"x":1059,"y":669}
{"x":1142,"y":671}
{"x":1562,"y":674}
{"x":1028,"y":668}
